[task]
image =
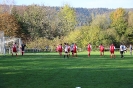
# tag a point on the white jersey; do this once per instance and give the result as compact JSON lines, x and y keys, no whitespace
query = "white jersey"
{"x":121,"y":47}
{"x":66,"y":48}
{"x":71,"y":47}
{"x":125,"y":48}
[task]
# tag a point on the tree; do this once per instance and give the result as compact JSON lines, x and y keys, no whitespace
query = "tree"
{"x":129,"y":31}
{"x":119,"y":21}
{"x":88,"y":34}
{"x":9,"y":25}
{"x":25,"y":35}
{"x":42,"y":21}
{"x":73,"y":36}
{"x":35,"y":18}
{"x":102,"y":21}
{"x":67,"y":18}
{"x":97,"y":32}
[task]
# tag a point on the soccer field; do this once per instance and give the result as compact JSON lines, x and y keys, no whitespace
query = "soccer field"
{"x":49,"y":70}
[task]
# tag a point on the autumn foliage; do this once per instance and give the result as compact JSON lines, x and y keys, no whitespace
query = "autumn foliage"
{"x":9,"y":25}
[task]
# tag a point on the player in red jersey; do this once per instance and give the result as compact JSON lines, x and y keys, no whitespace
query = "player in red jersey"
{"x":14,"y":48}
{"x":112,"y":49}
{"x":101,"y":50}
{"x":89,"y":49}
{"x":60,"y":49}
{"x":75,"y":50}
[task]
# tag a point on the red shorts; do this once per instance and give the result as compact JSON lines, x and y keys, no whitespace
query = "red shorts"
{"x":68,"y":50}
{"x":102,"y":50}
{"x":112,"y":51}
{"x":14,"y":50}
{"x":89,"y":50}
{"x":74,"y":51}
{"x":60,"y":50}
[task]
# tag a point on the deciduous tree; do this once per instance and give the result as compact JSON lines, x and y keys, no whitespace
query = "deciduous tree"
{"x":67,"y":18}
{"x":9,"y":25}
{"x":119,"y":21}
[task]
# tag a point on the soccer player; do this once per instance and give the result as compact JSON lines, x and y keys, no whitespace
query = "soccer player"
{"x":130,"y":48}
{"x":75,"y":50}
{"x":14,"y":48}
{"x":89,"y":49}
{"x":112,"y":49}
{"x":22,"y":48}
{"x":60,"y":49}
{"x":66,"y":50}
{"x":71,"y":48}
{"x":101,"y":47}
{"x":125,"y":48}
{"x":121,"y":50}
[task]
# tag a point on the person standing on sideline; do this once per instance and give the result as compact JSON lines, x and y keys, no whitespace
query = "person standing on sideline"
{"x":112,"y":49}
{"x":14,"y":48}
{"x":130,"y":48}
{"x":22,"y":48}
{"x":89,"y":49}
{"x":101,"y":47}
{"x":121,"y":50}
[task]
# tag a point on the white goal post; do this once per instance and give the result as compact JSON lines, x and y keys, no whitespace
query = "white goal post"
{"x":2,"y":48}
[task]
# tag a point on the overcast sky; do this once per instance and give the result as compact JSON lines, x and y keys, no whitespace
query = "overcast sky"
{"x":111,"y":4}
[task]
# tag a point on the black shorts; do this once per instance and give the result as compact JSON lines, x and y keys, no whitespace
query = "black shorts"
{"x":66,"y":51}
{"x":121,"y":52}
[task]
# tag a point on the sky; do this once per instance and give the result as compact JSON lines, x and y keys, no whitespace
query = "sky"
{"x":111,"y":4}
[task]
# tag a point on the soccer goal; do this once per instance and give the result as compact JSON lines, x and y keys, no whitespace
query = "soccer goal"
{"x":7,"y":42}
{"x":2,"y":48}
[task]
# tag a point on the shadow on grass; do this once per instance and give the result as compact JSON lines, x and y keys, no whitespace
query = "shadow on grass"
{"x":67,"y":78}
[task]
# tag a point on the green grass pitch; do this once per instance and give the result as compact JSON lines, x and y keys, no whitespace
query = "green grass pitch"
{"x":49,"y":70}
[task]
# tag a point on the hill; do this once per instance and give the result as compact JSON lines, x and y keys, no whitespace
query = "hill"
{"x":84,"y":15}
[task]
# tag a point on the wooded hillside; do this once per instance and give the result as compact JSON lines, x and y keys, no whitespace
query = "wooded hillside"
{"x":54,"y":25}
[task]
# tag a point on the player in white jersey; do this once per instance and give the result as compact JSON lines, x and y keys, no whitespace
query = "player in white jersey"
{"x":130,"y":49}
{"x":66,"y":50}
{"x":121,"y":50}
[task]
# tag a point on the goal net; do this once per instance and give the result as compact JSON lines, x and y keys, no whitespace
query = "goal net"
{"x":7,"y":42}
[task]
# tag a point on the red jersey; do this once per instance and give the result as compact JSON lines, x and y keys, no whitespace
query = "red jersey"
{"x":14,"y":48}
{"x":89,"y":47}
{"x":74,"y":48}
{"x":112,"y":48}
{"x":101,"y":48}
{"x":68,"y":48}
{"x":60,"y":48}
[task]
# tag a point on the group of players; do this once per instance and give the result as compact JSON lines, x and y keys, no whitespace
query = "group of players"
{"x":102,"y":49}
{"x":122,"y":49}
{"x":67,"y":49}
{"x":73,"y":48}
{"x":15,"y":47}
